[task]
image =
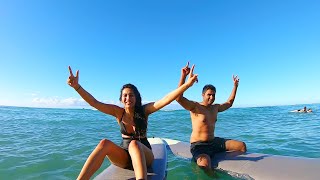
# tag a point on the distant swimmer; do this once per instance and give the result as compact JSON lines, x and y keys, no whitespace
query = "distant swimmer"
{"x":304,"y":110}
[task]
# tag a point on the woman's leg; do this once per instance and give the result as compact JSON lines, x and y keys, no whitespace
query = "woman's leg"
{"x":141,"y":158}
{"x":116,"y":154}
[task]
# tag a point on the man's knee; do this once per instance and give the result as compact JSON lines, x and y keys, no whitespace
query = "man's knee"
{"x":204,"y":161}
{"x":234,"y":145}
{"x":243,"y":147}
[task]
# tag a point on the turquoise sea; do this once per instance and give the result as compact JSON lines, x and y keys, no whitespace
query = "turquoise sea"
{"x":40,"y":143}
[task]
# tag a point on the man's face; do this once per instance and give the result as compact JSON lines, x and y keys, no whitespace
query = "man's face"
{"x":209,"y":96}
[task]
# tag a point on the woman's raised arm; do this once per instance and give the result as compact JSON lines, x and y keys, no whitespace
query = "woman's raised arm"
{"x":110,"y":109}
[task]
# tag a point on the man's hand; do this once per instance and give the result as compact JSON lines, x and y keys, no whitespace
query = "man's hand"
{"x":185,"y":70}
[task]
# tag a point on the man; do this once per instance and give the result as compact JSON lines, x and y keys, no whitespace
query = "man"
{"x":204,"y":145}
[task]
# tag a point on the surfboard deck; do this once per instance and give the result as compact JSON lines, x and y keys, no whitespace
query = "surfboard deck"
{"x":156,"y":172}
{"x":257,"y":166}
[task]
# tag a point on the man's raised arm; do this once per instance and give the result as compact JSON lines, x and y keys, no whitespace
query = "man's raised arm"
{"x":232,"y":96}
{"x":184,"y":102}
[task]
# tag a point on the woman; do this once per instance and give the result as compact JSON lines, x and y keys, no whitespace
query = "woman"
{"x":135,"y":150}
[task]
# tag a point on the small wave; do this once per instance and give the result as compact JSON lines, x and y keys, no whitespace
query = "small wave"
{"x":166,"y":110}
{"x":238,"y":175}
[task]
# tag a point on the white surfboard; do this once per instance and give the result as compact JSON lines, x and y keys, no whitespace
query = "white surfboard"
{"x":297,"y":111}
{"x":156,"y":172}
{"x":257,"y":166}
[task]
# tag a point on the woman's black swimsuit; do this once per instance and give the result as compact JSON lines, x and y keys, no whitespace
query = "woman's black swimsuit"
{"x":126,"y":141}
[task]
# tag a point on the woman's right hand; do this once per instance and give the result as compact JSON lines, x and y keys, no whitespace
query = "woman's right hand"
{"x":73,"y":81}
{"x":192,"y":77}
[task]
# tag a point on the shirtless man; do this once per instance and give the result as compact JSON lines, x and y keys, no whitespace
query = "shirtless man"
{"x":204,"y":145}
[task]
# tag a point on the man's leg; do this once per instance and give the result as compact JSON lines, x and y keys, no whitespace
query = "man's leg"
{"x":203,"y":161}
{"x":234,"y":145}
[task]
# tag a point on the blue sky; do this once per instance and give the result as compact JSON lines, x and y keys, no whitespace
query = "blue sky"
{"x":273,"y":46}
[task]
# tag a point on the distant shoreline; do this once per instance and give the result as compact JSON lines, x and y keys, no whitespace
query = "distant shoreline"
{"x":164,"y":109}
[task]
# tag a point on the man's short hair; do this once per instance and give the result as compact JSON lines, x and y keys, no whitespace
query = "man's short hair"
{"x":208,"y":86}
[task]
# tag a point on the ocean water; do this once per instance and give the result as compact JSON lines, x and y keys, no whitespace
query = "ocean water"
{"x":40,"y":143}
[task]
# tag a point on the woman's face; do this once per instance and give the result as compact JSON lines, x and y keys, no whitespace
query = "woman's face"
{"x":128,"y":98}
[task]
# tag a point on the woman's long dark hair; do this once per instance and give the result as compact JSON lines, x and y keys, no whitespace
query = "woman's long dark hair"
{"x":139,"y":117}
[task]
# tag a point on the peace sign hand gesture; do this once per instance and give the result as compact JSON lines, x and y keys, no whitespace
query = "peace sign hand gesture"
{"x":73,"y":81}
{"x":185,"y":70}
{"x":235,"y":80}
{"x":192,"y":77}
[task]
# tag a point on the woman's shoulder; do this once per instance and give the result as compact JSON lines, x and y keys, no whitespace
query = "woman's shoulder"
{"x":147,"y":105}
